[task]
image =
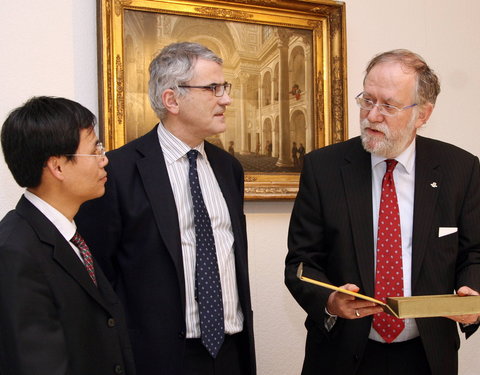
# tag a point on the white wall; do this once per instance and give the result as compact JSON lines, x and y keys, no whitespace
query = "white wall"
{"x":49,"y":48}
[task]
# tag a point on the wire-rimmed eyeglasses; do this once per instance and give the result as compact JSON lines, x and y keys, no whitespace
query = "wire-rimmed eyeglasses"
{"x":218,"y":89}
{"x":384,"y":109}
{"x":99,"y":152}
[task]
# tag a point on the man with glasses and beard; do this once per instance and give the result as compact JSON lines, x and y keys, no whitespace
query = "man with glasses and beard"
{"x":389,"y":213}
{"x":170,"y":231}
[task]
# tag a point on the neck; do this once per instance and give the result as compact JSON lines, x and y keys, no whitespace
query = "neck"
{"x":181,"y":133}
{"x":63,"y":205}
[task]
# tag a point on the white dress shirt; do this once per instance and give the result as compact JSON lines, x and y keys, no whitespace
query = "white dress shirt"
{"x":66,"y":227}
{"x":404,"y":177}
{"x":174,"y":152}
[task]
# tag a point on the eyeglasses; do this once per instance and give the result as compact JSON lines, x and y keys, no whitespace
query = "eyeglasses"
{"x":384,"y":109}
{"x":218,"y":89}
{"x":99,"y":152}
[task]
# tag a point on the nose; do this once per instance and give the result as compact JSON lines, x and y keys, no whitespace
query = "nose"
{"x":225,"y":99}
{"x":374,"y":115}
{"x":103,"y":161}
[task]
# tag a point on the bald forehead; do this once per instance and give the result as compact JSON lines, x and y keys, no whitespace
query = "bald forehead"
{"x":392,"y":79}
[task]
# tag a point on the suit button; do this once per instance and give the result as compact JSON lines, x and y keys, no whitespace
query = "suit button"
{"x":118,"y":369}
{"x":111,"y":322}
{"x":181,"y":334}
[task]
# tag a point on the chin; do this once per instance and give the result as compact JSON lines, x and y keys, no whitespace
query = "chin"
{"x":99,"y":193}
{"x":369,"y":143}
{"x":375,"y":147}
{"x":218,"y":128}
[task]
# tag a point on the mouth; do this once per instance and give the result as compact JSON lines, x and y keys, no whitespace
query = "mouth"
{"x":373,"y":131}
{"x":220,"y":111}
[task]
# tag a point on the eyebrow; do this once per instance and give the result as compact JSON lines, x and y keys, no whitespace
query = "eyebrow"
{"x":216,"y":84}
{"x":387,"y":100}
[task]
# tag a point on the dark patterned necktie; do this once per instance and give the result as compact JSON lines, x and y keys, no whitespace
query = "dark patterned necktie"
{"x":389,"y":269}
{"x":207,"y":277}
{"x":79,"y":242}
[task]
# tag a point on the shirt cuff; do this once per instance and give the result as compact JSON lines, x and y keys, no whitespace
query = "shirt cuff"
{"x":330,"y":320}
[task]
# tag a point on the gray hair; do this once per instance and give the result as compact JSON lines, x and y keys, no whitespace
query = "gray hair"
{"x":173,"y":67}
{"x":427,"y":84}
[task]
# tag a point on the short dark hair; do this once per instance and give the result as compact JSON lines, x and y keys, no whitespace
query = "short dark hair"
{"x":39,"y":129}
{"x":427,"y":85}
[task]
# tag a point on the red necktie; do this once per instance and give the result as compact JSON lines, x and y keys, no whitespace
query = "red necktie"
{"x":389,"y":270}
{"x":79,"y":242}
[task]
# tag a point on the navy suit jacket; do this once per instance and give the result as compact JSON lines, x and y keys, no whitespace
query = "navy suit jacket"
{"x":331,"y":231}
{"x":133,"y":232}
{"x":53,"y":320}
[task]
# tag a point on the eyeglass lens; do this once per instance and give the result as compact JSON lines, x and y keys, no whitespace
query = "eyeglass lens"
{"x":220,"y":90}
{"x":384,"y":109}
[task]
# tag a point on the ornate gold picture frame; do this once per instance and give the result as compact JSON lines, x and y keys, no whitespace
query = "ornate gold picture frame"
{"x":286,"y":61}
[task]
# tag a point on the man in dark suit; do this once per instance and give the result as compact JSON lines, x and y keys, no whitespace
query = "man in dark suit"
{"x":145,"y":233}
{"x":428,"y":244}
{"x":58,"y":313}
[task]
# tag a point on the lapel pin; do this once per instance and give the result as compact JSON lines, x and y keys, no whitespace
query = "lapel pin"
{"x":434,"y":185}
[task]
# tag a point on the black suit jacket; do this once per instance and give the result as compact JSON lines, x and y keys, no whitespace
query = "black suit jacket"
{"x":331,"y":231}
{"x":135,"y":236}
{"x":53,"y":320}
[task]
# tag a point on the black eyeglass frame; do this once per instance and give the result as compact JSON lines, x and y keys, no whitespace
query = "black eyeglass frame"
{"x":214,"y":87}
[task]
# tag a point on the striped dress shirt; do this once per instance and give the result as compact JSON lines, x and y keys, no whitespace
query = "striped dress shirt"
{"x":174,"y":152}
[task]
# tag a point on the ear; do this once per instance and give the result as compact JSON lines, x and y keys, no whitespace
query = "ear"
{"x":424,"y":113}
{"x":170,"y":102}
{"x":54,"y":167}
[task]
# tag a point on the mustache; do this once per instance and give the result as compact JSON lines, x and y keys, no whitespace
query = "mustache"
{"x":381,"y":127}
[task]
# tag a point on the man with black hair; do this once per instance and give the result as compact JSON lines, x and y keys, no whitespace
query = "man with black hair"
{"x":58,"y":314}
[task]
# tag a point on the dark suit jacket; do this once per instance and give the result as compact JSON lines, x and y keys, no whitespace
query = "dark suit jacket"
{"x":136,"y":237}
{"x":53,"y":320}
{"x":331,"y":231}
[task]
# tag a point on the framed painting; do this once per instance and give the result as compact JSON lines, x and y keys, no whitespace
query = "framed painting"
{"x":286,"y":61}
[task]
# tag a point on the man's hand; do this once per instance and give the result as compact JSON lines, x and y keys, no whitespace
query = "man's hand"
{"x":349,"y":307}
{"x":469,"y":318}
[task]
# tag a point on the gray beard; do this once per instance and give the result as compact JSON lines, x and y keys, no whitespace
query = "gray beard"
{"x":393,"y":143}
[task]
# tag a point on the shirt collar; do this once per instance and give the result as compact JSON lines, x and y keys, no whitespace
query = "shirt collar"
{"x":173,"y":148}
{"x":66,"y":227}
{"x":405,"y":159}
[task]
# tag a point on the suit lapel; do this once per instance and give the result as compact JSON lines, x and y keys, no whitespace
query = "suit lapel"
{"x":153,"y":172}
{"x":357,"y":180}
{"x":428,"y":182}
{"x":62,"y":252}
{"x":357,"y":183}
{"x":64,"y":255}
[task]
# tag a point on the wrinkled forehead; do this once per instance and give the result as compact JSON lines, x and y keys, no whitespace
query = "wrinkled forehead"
{"x":390,"y":80}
